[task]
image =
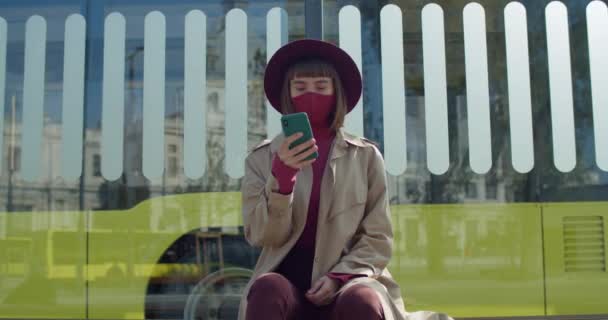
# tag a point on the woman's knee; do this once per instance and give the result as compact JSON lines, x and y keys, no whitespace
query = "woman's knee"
{"x":269,"y":284}
{"x":359,"y":302}
{"x":272,"y":296}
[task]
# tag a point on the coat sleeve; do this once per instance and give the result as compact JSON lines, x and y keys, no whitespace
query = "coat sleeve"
{"x":371,"y":246}
{"x":266,"y":213}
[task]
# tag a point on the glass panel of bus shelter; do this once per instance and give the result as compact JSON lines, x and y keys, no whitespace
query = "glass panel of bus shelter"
{"x":174,"y":102}
{"x":42,"y":231}
{"x":475,"y":230}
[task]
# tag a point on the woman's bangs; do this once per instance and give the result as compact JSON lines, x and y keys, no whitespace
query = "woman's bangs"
{"x":310,"y":69}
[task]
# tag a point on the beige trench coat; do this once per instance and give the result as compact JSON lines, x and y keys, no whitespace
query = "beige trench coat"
{"x":354,"y":233}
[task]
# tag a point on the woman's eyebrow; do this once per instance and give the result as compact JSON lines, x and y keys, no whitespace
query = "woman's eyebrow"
{"x":322,"y":81}
{"x":298,"y":82}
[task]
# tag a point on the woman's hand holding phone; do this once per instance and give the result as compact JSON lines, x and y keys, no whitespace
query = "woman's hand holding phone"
{"x":295,"y":157}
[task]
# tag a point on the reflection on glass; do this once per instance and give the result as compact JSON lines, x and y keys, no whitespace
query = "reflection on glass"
{"x":518,"y":72}
{"x":350,"y":41}
{"x":3,"y":34}
{"x":236,"y":93}
{"x":115,"y":245}
{"x":276,"y":36}
{"x":560,"y":81}
{"x":393,"y":90}
{"x":154,"y":96}
{"x":478,"y":100}
{"x":519,"y":162}
{"x":73,"y":96}
{"x":179,"y":231}
{"x":113,"y":96}
{"x":141,"y":255}
{"x":33,"y":96}
{"x":597,"y":29}
{"x":435,"y":92}
{"x":195,"y":91}
{"x":42,"y":242}
{"x":479,"y":221}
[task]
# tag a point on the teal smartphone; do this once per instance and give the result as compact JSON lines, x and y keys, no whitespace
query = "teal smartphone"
{"x":298,"y":122}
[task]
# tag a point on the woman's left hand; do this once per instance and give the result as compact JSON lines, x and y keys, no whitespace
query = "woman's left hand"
{"x":322,"y":291}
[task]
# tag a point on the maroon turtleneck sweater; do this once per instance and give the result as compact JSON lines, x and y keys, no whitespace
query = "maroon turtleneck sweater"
{"x":297,"y":265}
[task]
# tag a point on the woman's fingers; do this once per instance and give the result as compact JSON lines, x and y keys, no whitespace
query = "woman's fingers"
{"x":306,"y":163}
{"x":288,"y":141}
{"x":295,"y":157}
{"x":322,"y":295}
{"x":305,"y":154}
{"x":300,"y":162}
{"x":292,"y":138}
{"x":284,"y":148}
{"x":315,"y":287}
{"x":299,"y":148}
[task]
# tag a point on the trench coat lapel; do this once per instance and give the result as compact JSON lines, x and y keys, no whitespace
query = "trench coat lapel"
{"x":338,"y":149}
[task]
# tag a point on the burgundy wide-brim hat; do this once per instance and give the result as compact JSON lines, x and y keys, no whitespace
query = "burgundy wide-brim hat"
{"x":306,"y":49}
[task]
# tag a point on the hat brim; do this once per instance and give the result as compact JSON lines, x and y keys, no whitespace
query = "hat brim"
{"x":295,"y":51}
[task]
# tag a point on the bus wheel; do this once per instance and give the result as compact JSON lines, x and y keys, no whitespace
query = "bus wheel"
{"x":217,"y":296}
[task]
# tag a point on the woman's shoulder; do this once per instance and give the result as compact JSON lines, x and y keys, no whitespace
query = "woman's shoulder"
{"x":359,"y":140}
{"x":269,"y":143}
{"x":263,"y":143}
{"x":372,"y":148}
{"x":257,"y":156}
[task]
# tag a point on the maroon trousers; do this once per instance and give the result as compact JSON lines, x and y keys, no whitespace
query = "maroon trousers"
{"x":273,"y":297}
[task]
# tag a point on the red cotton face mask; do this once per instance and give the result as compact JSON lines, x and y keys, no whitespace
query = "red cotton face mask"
{"x":317,"y":106}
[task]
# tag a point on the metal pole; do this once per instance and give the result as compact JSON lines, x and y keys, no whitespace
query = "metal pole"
{"x":313,"y":19}
{"x":11,"y":150}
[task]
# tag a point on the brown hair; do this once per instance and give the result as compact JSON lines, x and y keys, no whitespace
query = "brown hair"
{"x":315,"y":68}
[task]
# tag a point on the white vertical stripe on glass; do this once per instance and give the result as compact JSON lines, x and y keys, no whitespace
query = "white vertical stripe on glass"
{"x":518,"y":76}
{"x":113,"y":96}
{"x":73,"y":95}
{"x":393,"y":89}
{"x":276,"y":37}
{"x":154,"y":95}
{"x":33,"y":97}
{"x":349,"y":21}
{"x":435,"y":89}
{"x":195,"y":94}
{"x":236,"y":93}
{"x":478,"y":99}
{"x":597,"y":30}
{"x":560,"y":84}
{"x":3,"y":34}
